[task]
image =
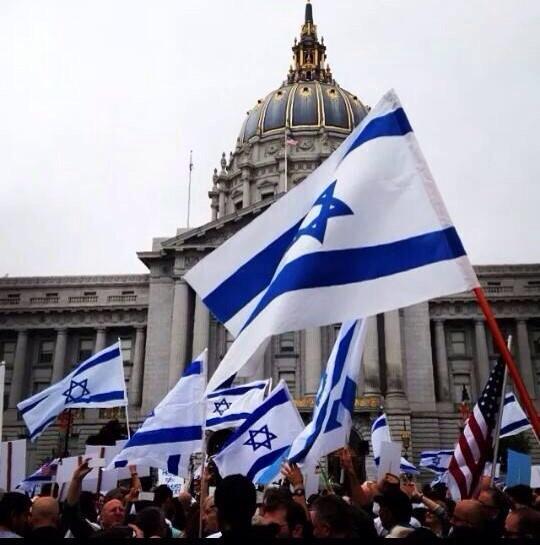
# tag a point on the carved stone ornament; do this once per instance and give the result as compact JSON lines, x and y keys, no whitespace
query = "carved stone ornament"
{"x":272,"y":149}
{"x":306,"y":144}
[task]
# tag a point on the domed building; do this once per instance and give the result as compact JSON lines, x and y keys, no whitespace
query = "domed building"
{"x":419,"y":363}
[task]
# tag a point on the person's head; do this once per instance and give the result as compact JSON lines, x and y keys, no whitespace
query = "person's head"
{"x":151,"y":521}
{"x":88,"y":505}
{"x":186,"y":499}
{"x":162,"y":495}
{"x":469,"y":514}
{"x":236,"y":501}
{"x":15,"y":512}
{"x":209,"y":516}
{"x":395,"y":508}
{"x":494,"y":502}
{"x":118,"y":493}
{"x":330,"y":517}
{"x":433,"y":521}
{"x":112,"y":514}
{"x":520,"y":495}
{"x":522,"y":523}
{"x":45,"y":512}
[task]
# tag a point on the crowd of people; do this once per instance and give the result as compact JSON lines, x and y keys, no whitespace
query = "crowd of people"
{"x":232,"y":507}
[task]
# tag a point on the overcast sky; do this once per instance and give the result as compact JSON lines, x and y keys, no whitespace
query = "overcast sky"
{"x":101,"y":101}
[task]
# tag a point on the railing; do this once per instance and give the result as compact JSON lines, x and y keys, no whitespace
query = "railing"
{"x":44,"y":300}
{"x":122,"y":298}
{"x":532,"y":289}
{"x":499,"y":289}
{"x":83,"y":299}
{"x":10,"y":301}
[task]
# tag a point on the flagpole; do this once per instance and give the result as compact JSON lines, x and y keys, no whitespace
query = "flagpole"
{"x":125,"y":390}
{"x":499,"y":418}
{"x":189,"y":186}
{"x":2,"y":389}
{"x":509,"y":361}
{"x":202,"y":495}
{"x":68,"y":433}
{"x":286,"y":157}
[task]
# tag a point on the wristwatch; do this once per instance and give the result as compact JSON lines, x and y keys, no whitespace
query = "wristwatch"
{"x":298,"y":492}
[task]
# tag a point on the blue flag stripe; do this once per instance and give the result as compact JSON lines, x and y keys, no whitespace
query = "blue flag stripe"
{"x":340,"y":267}
{"x":509,"y":399}
{"x":103,"y":358}
{"x":42,"y":426}
{"x":379,"y":423}
{"x":238,"y":390}
{"x":514,"y":426}
{"x":32,"y":405}
{"x":172,"y":463}
{"x":99,"y":398}
{"x":167,"y":435}
{"x":279,"y":398}
{"x":195,"y":368}
{"x":265,"y":461}
{"x":228,"y":418}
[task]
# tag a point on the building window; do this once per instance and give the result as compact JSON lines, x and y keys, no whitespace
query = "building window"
{"x":290,"y":378}
{"x":86,"y":349}
{"x":126,"y":343}
{"x":287,"y":343}
{"x":238,"y":205}
{"x":458,"y":343}
{"x":46,"y":351}
{"x":7,"y":352}
{"x":39,"y":386}
{"x":535,"y":334}
{"x":267,"y":195}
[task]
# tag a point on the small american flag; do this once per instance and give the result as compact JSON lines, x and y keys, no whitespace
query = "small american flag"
{"x":475,"y":443}
{"x":291,"y":141}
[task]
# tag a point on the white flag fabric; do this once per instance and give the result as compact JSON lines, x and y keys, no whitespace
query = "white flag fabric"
{"x":174,"y":430}
{"x":436,"y":460}
{"x":97,"y":382}
{"x":365,"y":233}
{"x":330,"y":426}
{"x":514,"y":420}
{"x":45,"y":474}
{"x":263,"y":438}
{"x":229,"y":407}
{"x":380,"y":433}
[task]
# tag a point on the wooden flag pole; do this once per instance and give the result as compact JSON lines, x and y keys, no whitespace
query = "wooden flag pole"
{"x":509,"y":361}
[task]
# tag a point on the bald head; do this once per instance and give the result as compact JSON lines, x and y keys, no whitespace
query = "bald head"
{"x":469,"y":513}
{"x":45,"y":512}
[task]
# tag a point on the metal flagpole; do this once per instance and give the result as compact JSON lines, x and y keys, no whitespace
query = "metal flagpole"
{"x":125,"y":390}
{"x":498,"y":339}
{"x":202,"y":495}
{"x":496,"y":438}
{"x":2,"y":389}
{"x":286,"y":157}
{"x":189,"y":186}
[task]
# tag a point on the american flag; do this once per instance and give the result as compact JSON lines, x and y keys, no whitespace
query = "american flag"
{"x":475,"y":443}
{"x":291,"y":141}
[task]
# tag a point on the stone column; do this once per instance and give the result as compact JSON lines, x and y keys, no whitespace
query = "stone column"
{"x":482,"y":355}
{"x":443,"y":372}
{"x":19,"y":368}
{"x":136,"y":379}
{"x":312,"y":360}
{"x":525,"y":362}
{"x":101,"y":339}
{"x":179,"y":332}
{"x":59,"y":361}
{"x":372,"y":376}
{"x":201,"y":327}
{"x":395,"y":395}
{"x":221,"y":210}
{"x":246,"y":192}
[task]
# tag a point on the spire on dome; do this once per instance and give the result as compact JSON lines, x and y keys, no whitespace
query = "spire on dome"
{"x":309,"y":54}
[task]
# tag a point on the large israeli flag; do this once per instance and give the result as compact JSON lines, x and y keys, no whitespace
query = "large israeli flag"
{"x":436,"y":460}
{"x":365,"y":233}
{"x":229,"y":407}
{"x":380,"y":433}
{"x":330,"y":426}
{"x":514,"y":420}
{"x":174,"y":430}
{"x":95,"y":383}
{"x":263,"y":438}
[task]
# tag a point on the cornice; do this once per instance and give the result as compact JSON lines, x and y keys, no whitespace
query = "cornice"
{"x":73,"y":281}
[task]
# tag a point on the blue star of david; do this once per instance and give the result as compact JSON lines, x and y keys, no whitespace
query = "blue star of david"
{"x":218,"y":406}
{"x":436,"y":460}
{"x":330,"y":207}
{"x":266,"y":442}
{"x":83,"y":385}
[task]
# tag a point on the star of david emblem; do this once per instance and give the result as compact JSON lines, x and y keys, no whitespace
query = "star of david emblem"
{"x":221,"y":406}
{"x":436,"y":460}
{"x":330,"y":207}
{"x":266,"y":442}
{"x":83,"y":387}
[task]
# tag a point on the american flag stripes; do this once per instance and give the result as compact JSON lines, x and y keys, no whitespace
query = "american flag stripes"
{"x":475,"y":443}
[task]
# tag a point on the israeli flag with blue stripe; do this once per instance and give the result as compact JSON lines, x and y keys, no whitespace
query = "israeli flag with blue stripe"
{"x":229,"y":407}
{"x":365,"y":233}
{"x":334,"y":405}
{"x":514,"y":420}
{"x":174,"y":430}
{"x":436,"y":460}
{"x":97,"y":382}
{"x":263,"y":439}
{"x":380,"y":433}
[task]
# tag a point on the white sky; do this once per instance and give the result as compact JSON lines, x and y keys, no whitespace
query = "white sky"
{"x":101,"y":101}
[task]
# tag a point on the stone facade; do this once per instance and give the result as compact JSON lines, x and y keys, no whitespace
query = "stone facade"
{"x":417,"y":361}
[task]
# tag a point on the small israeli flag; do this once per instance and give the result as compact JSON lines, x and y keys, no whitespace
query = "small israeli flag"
{"x":436,"y":460}
{"x":229,"y":407}
{"x":263,"y":438}
{"x":514,"y":420}
{"x":174,"y":430}
{"x":96,"y":383}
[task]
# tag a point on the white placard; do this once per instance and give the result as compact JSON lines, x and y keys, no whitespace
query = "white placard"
{"x":12,"y":464}
{"x":535,"y":476}
{"x":174,"y":482}
{"x":390,"y":459}
{"x":109,"y":480}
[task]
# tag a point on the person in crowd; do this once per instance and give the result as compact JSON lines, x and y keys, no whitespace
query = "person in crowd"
{"x":523,"y":523}
{"x":395,"y":512}
{"x":45,"y":519}
{"x":468,"y":521}
{"x":151,"y":521}
{"x":14,"y":515}
{"x":288,"y":516}
{"x":520,"y":495}
{"x":209,"y":517}
{"x":496,"y":506}
{"x":331,"y":518}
